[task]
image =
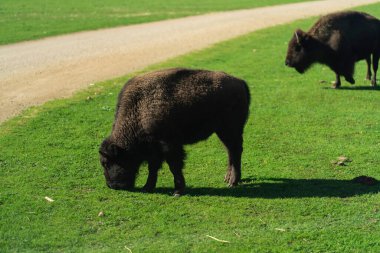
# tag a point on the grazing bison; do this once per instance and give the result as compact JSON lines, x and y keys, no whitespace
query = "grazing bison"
{"x":157,"y":113}
{"x":337,"y":40}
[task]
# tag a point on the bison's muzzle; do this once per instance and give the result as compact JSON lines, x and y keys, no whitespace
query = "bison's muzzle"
{"x":119,"y":186}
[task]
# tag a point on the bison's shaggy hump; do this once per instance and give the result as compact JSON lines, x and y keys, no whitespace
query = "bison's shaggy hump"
{"x":337,"y":40}
{"x":339,"y":21}
{"x":157,"y":113}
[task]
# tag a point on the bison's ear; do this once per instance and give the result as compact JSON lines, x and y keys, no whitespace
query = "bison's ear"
{"x":109,"y":149}
{"x":302,"y":38}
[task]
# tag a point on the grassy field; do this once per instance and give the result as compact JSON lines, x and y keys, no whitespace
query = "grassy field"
{"x":31,"y":19}
{"x":292,"y":197}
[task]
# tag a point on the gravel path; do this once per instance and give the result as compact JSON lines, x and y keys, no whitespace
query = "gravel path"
{"x":37,"y":71}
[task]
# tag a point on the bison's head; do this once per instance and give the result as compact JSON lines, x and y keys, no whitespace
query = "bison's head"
{"x":300,"y":54}
{"x":120,"y":166}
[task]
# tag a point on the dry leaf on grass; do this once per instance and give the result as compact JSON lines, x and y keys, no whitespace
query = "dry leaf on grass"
{"x":129,"y":250}
{"x":216,"y":239}
{"x":49,"y":199}
{"x":342,"y":161}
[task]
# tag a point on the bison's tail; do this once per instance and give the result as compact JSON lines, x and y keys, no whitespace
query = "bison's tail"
{"x":248,"y":94}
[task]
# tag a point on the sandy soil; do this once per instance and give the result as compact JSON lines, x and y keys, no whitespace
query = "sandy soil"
{"x":37,"y":71}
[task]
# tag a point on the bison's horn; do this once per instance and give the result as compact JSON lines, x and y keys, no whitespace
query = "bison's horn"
{"x":298,"y":39}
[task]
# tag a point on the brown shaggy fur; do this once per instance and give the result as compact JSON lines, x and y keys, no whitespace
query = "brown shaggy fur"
{"x":157,"y":113}
{"x":337,"y":40}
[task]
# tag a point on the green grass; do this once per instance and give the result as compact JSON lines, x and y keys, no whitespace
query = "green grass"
{"x":32,"y":19}
{"x":292,"y":199}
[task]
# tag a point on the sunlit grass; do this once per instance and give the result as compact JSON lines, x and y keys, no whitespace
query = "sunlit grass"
{"x":292,"y":197}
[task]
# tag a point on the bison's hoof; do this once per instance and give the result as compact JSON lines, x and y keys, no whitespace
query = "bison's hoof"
{"x":232,"y":184}
{"x":147,"y":189}
{"x":177,"y":194}
{"x":234,"y":179}
{"x":335,"y":85}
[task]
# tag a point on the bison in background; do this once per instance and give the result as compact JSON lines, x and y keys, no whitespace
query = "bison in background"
{"x":157,"y":113}
{"x":337,"y":40}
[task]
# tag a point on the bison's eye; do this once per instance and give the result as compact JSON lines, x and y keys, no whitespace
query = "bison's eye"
{"x":297,"y":48}
{"x":104,"y":162}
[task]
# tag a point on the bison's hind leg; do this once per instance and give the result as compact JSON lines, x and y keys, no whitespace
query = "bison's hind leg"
{"x":175,"y":157}
{"x":375,"y":64}
{"x":369,"y":73}
{"x":233,"y":141}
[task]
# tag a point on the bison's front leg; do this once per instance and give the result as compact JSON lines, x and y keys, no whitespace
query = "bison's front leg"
{"x":153,"y":166}
{"x":175,"y":158}
{"x":350,"y":79}
{"x":349,"y":71}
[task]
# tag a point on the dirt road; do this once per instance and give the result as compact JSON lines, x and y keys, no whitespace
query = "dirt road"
{"x":36,"y":71}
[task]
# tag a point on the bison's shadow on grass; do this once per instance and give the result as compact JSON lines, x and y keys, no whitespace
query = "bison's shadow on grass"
{"x":365,"y":88}
{"x":272,"y":188}
{"x":356,"y":88}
